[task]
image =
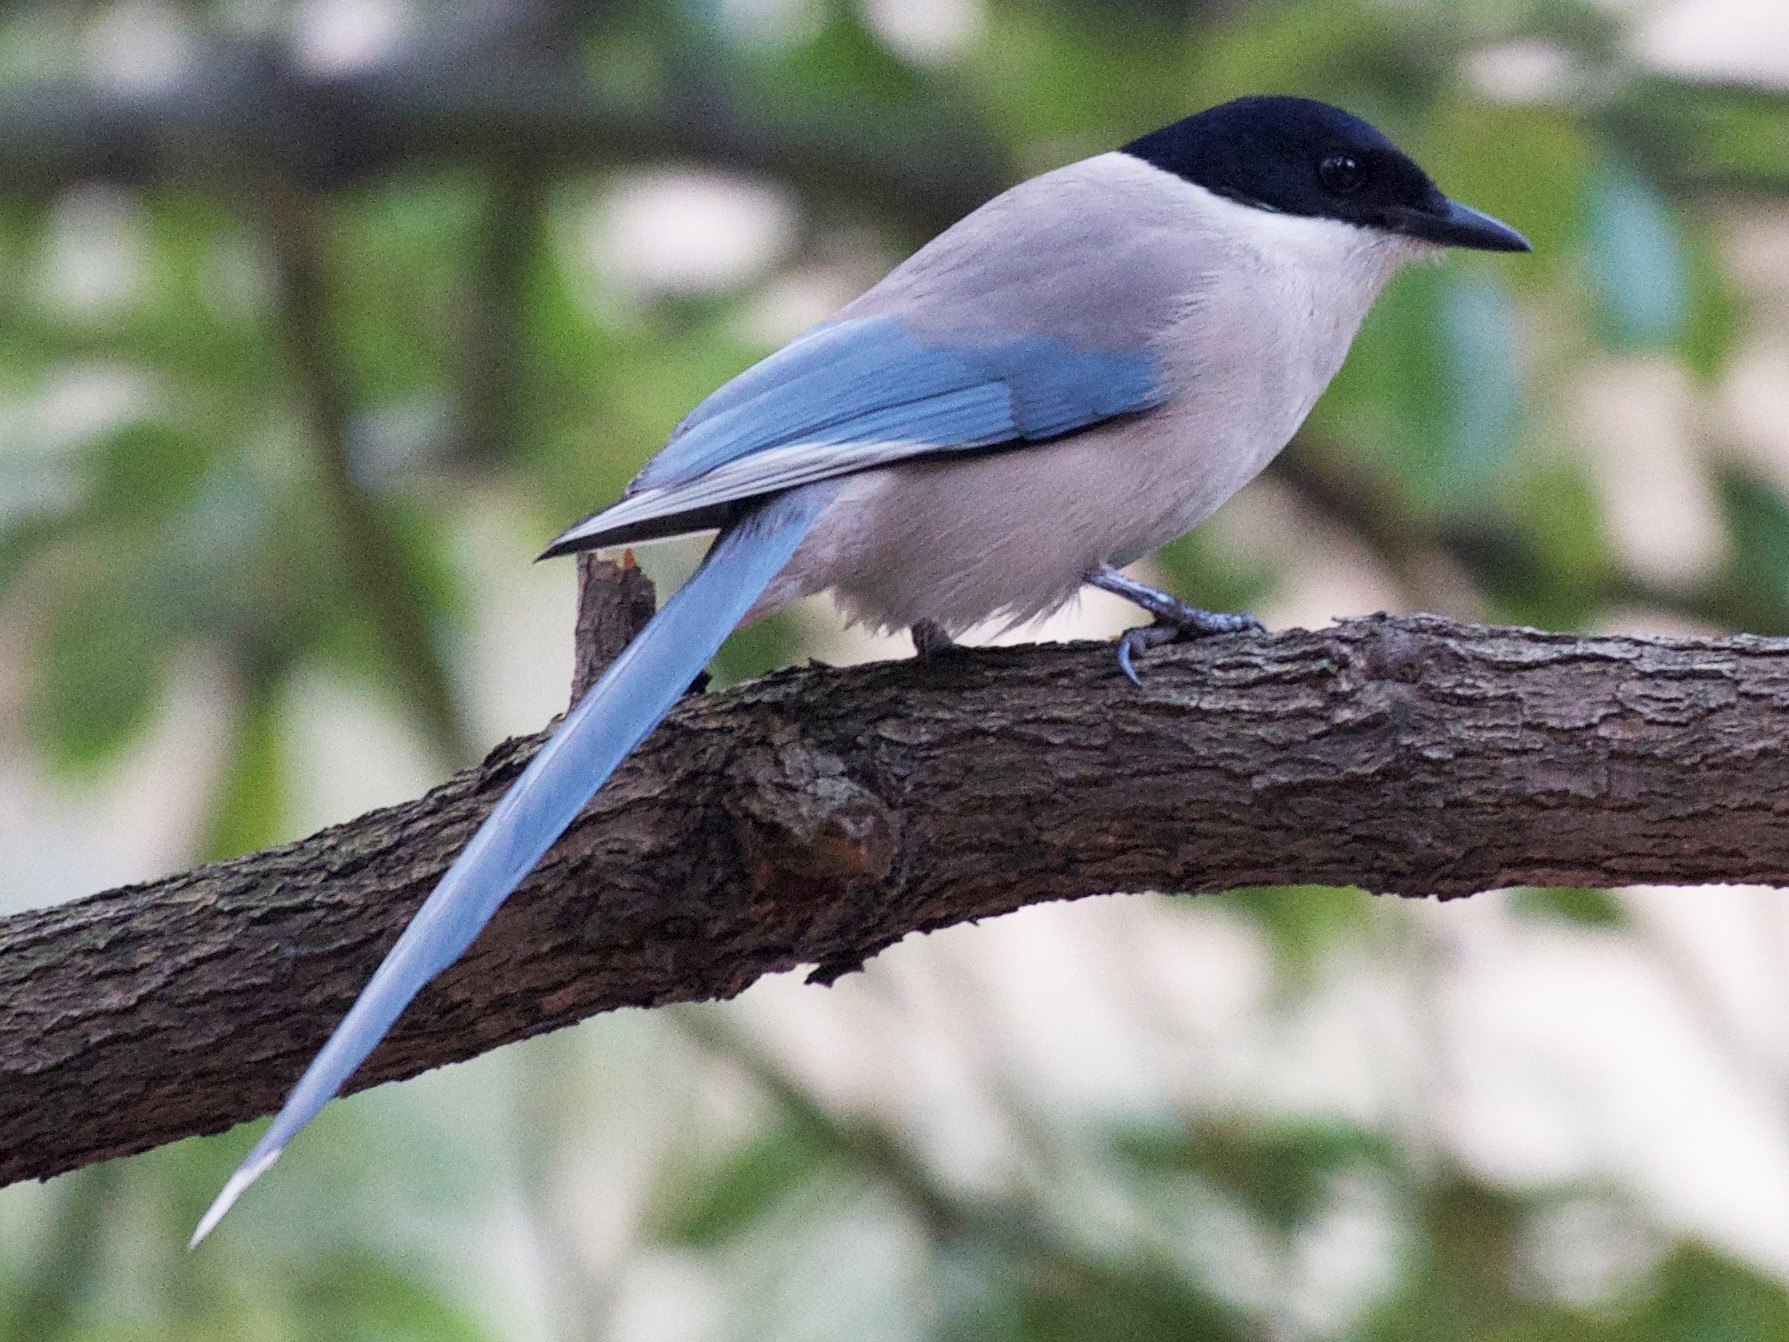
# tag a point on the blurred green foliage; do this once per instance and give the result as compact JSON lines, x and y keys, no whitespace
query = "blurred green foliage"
{"x":295,"y":382}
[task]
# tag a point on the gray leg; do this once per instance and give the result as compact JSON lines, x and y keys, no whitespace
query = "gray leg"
{"x":930,"y":638}
{"x":1175,"y":621}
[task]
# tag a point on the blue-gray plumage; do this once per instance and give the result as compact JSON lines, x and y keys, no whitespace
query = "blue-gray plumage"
{"x":857,"y":392}
{"x":1074,"y":375}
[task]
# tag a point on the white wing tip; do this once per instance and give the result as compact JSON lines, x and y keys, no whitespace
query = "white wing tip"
{"x":249,"y":1171}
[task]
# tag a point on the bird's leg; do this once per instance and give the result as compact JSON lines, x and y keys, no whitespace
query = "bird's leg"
{"x":1175,"y":621}
{"x":930,"y":638}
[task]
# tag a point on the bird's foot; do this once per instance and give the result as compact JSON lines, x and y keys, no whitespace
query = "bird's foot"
{"x":1175,"y":620}
{"x":1197,"y":624}
{"x":930,"y":638}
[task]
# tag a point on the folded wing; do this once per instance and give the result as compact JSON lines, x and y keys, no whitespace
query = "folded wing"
{"x":860,"y":393}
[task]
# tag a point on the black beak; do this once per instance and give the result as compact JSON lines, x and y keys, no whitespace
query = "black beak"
{"x":1457,"y":225}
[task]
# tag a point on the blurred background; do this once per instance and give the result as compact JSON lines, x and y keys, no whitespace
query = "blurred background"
{"x":317,"y":320}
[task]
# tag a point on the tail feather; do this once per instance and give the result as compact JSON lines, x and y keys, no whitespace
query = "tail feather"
{"x":630,"y":699}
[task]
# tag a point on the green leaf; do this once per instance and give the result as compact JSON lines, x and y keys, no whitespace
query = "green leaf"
{"x":978,"y":1294}
{"x":1586,"y":908}
{"x":1703,"y":1296}
{"x":1736,"y":132}
{"x":1561,"y":516}
{"x":1304,"y":923}
{"x":842,"y":70}
{"x":1527,"y":165}
{"x":398,"y":263}
{"x":1431,"y":390}
{"x":983,"y":1295}
{"x":21,"y":542}
{"x":99,"y":674}
{"x":1758,"y":518}
{"x":1064,"y":81}
{"x":752,"y":1182}
{"x":1376,"y":60}
{"x":145,"y":468}
{"x":759,"y":648}
{"x":1716,"y":310}
{"x":356,"y":1298}
{"x":1282,"y":1173}
{"x":1075,"y":1302}
{"x":1461,"y":1278}
{"x":1211,"y":579}
{"x":249,"y":807}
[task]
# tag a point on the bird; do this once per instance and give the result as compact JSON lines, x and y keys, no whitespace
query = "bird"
{"x":1068,"y":378}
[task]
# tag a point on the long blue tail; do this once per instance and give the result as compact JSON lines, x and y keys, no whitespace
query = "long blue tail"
{"x":612,"y":718}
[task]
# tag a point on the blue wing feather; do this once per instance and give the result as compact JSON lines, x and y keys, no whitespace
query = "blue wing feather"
{"x":815,"y":388}
{"x":871,"y":385}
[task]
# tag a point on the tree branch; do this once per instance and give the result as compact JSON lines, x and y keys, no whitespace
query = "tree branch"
{"x":245,"y":108}
{"x":816,"y":817}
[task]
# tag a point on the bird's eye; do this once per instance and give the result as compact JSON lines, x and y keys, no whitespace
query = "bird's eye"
{"x":1341,"y":173}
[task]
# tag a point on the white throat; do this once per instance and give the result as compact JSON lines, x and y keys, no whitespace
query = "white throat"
{"x":1354,"y":259}
{"x":1327,"y":271}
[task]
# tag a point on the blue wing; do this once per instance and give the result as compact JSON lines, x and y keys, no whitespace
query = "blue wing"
{"x":855,"y":394}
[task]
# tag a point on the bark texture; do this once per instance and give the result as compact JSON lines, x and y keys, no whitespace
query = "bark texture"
{"x":817,"y":816}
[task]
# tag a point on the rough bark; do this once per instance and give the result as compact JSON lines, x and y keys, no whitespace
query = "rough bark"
{"x":614,"y":602}
{"x":816,"y":817}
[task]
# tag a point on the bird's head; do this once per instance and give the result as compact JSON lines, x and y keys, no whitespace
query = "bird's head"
{"x":1301,"y":157}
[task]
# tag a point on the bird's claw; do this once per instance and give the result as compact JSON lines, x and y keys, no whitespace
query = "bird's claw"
{"x":1183,"y":628}
{"x":1133,"y":641}
{"x":1175,"y":621}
